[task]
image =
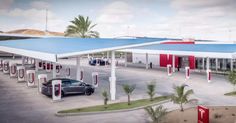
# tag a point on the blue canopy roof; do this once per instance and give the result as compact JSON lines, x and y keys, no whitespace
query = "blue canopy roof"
{"x":221,"y":48}
{"x":66,"y":47}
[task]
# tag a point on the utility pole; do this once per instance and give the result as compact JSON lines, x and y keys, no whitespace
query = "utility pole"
{"x":46,"y":24}
{"x":128,"y":30}
{"x":229,"y":31}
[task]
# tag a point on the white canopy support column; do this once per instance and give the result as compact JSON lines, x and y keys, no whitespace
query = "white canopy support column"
{"x":78,"y":68}
{"x":36,"y":65}
{"x":208,"y":63}
{"x":54,"y":73}
{"x":113,"y":76}
{"x":146,"y":60}
{"x":173,"y":63}
{"x":125,"y":59}
{"x":108,"y":55}
{"x":231,"y":65}
{"x":224,"y":64}
{"x":216,"y":64}
{"x":23,"y":60}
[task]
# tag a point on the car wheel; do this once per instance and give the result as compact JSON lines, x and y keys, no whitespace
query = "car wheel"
{"x":88,"y":92}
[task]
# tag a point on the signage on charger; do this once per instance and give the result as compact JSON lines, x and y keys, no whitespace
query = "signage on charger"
{"x":203,"y":114}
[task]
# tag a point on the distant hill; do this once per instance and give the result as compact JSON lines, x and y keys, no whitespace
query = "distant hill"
{"x":34,"y":32}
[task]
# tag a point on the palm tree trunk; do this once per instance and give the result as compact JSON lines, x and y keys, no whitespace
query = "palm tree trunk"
{"x":128,"y":99}
{"x":105,"y":103}
{"x":181,"y":107}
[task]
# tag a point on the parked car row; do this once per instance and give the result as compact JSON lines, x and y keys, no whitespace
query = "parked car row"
{"x":101,"y":62}
{"x":48,"y":65}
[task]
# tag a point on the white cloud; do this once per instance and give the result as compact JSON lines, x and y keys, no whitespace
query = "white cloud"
{"x":40,"y":4}
{"x":116,"y":12}
{"x":35,"y":18}
{"x":36,"y":15}
{"x":195,"y":4}
{"x":205,"y":19}
{"x":6,"y":4}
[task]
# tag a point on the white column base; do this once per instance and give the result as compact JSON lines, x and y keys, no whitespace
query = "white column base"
{"x":113,"y":87}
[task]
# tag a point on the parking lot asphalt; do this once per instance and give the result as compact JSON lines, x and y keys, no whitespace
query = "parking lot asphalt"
{"x":21,"y":104}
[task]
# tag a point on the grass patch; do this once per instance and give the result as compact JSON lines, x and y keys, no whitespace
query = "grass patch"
{"x":117,"y":106}
{"x":233,"y":93}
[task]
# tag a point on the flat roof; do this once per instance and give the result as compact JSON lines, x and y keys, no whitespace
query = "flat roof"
{"x":198,"y":50}
{"x":52,"y":48}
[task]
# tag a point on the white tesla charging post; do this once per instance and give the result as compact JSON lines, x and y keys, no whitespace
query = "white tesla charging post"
{"x":82,"y":75}
{"x":1,"y":64}
{"x":40,"y":65}
{"x":187,"y":72}
{"x":26,"y":60}
{"x":42,"y":78}
{"x":13,"y":70}
{"x":56,"y":90}
{"x":21,"y":73}
{"x":208,"y":75}
{"x":58,"y":69}
{"x":68,"y":72}
{"x":169,"y":71}
{"x":32,"y":61}
{"x":30,"y":78}
{"x":48,"y":67}
{"x":95,"y":79}
{"x":6,"y":67}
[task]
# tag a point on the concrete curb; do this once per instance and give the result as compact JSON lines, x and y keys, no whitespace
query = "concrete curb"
{"x":105,"y":112}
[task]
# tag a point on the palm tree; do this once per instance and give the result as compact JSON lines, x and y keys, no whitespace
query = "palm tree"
{"x":151,"y":90}
{"x":180,"y":97}
{"x":128,"y":90}
{"x":232,"y":78}
{"x":105,"y":98}
{"x":81,"y":27}
{"x":156,"y":114}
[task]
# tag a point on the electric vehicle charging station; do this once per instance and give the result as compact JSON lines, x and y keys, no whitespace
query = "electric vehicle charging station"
{"x":208,"y":75}
{"x":6,"y":68}
{"x":58,"y":69}
{"x":95,"y":79}
{"x":169,"y":70}
{"x":13,"y":70}
{"x":68,"y":72}
{"x":30,"y":74}
{"x":56,"y":90}
{"x":187,"y":72}
{"x":40,"y":65}
{"x":26,"y":60}
{"x":48,"y":67}
{"x":61,"y":51}
{"x":32,"y":61}
{"x":1,"y":64}
{"x":21,"y":73}
{"x":42,"y":78}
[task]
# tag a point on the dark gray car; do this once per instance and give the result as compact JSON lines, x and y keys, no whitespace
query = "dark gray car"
{"x":69,"y":86}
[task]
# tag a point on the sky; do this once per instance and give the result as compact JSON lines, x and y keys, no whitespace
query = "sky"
{"x":198,"y":19}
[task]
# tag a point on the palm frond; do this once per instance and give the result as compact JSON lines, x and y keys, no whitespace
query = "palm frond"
{"x":128,"y":88}
{"x":81,"y":27}
{"x":156,"y":114}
